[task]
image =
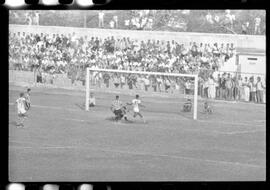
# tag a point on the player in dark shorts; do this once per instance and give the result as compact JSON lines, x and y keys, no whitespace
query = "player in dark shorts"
{"x":27,"y":99}
{"x":124,"y":113}
{"x":187,"y":106}
{"x":117,"y":108}
{"x":207,"y":108}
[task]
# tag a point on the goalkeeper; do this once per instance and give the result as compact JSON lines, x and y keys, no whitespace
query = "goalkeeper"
{"x":187,"y":106}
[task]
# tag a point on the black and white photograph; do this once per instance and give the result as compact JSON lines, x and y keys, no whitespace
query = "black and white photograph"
{"x":137,"y":95}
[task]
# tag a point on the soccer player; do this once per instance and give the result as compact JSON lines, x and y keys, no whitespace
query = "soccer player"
{"x":187,"y":106}
{"x":20,"y":103}
{"x":124,"y":113}
{"x":136,"y":104}
{"x":92,"y":100}
{"x":116,"y":108}
{"x":27,"y":99}
{"x":207,"y":108}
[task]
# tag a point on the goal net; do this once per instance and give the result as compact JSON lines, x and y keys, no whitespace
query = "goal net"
{"x":184,"y":86}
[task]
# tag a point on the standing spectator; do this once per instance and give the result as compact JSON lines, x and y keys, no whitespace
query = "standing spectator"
{"x":223,"y":94}
{"x":257,"y":26}
{"x":72,"y":73}
{"x":39,"y":76}
{"x":154,"y":83}
{"x":240,"y":88}
{"x":246,"y":89}
{"x":259,"y":90}
{"x":146,"y":83}
{"x":115,"y":19}
{"x":200,"y":85}
{"x":159,"y":83}
{"x":211,"y":87}
{"x":130,"y":81}
{"x":218,"y":94}
{"x":230,"y":18}
{"x":229,"y":86}
{"x":112,"y":24}
{"x":51,"y":76}
{"x":122,"y":80}
{"x":101,"y":19}
{"x":127,"y":23}
{"x":187,"y":87}
{"x":28,"y":19}
{"x":245,"y":28}
{"x":106,"y":78}
{"x":209,"y":18}
{"x":167,"y":84}
{"x":36,"y":18}
{"x":205,"y":88}
{"x":232,"y":50}
{"x":116,"y":80}
{"x":234,"y":88}
{"x":252,"y":85}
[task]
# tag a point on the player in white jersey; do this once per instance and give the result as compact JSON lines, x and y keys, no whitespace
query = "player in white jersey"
{"x":136,"y":103}
{"x":20,"y":103}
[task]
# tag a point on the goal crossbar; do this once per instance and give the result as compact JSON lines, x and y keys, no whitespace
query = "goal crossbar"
{"x":87,"y":84}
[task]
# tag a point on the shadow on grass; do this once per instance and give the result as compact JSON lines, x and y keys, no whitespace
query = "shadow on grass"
{"x":112,"y":119}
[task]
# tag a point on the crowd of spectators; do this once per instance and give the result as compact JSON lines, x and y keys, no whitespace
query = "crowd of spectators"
{"x":58,"y":53}
{"x":233,"y":87}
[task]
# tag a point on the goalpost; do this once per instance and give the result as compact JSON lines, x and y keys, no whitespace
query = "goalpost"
{"x":195,"y":77}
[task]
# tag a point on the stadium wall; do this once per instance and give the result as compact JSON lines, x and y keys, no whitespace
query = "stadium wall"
{"x":240,"y":41}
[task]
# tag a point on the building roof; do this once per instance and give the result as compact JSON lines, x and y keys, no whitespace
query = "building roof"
{"x":250,"y":51}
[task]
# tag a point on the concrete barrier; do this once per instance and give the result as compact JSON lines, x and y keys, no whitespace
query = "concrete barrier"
{"x":240,"y":41}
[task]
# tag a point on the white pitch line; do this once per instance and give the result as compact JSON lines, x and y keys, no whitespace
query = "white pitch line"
{"x":262,"y":120}
{"x":242,"y":132}
{"x":229,"y":123}
{"x":146,"y":154}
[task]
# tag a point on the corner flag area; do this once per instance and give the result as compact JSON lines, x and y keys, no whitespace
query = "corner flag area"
{"x":63,"y":142}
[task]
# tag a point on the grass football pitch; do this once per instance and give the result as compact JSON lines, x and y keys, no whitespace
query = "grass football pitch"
{"x":62,"y":142}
